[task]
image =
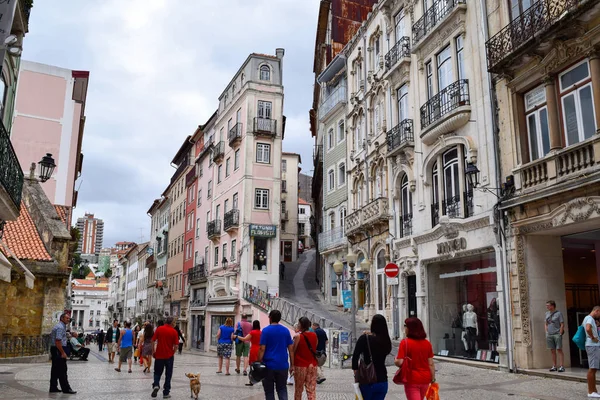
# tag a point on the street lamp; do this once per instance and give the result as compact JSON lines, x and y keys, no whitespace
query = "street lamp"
{"x":47,"y":166}
{"x":351,"y":260}
{"x":472,"y":173}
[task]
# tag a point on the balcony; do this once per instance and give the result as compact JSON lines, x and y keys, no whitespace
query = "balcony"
{"x":219,"y":151}
{"x":11,"y":179}
{"x":190,"y":177}
{"x":231,"y":220}
{"x":207,"y":145}
{"x":336,"y":98}
{"x":197,"y":274}
{"x":406,"y":225}
{"x":400,"y":51}
{"x":400,"y":137}
{"x":445,"y":112}
{"x":534,"y":26}
{"x":434,"y":18}
{"x":235,"y":135}
{"x":285,"y":215}
{"x":453,"y":207}
{"x":265,"y":127}
{"x":197,"y":304}
{"x":332,"y":238}
{"x":213,"y":229}
{"x":318,"y":154}
{"x":370,"y":217}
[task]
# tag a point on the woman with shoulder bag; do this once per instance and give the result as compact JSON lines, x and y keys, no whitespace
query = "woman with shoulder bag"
{"x":305,"y":361}
{"x":415,"y":359}
{"x":373,"y":347}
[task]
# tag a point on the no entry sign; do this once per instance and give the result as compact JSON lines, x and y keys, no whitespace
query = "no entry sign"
{"x":391,"y":270}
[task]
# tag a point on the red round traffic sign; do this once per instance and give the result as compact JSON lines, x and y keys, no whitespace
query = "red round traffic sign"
{"x":391,"y":270}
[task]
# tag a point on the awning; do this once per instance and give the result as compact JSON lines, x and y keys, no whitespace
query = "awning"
{"x":29,"y":277}
{"x":222,"y":308}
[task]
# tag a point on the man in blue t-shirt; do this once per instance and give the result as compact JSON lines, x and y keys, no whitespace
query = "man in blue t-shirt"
{"x":275,"y":344}
{"x":321,"y":348}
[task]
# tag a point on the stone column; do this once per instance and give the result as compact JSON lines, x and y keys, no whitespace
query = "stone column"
{"x":552,"y":105}
{"x":595,"y":72}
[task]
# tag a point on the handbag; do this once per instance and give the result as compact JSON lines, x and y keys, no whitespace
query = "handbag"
{"x":579,"y":337}
{"x":366,"y":372}
{"x":401,"y":375}
{"x":320,"y":356}
{"x":433,"y":392}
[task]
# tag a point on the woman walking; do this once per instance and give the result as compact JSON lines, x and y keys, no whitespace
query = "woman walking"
{"x":181,"y":338}
{"x":146,"y":344}
{"x":375,"y":345}
{"x":418,"y":350}
{"x":254,"y":338}
{"x":224,"y":345}
{"x":136,"y":332}
{"x":305,"y":361}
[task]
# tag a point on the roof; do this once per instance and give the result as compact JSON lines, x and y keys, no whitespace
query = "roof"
{"x":264,"y":55}
{"x":84,"y":281}
{"x":303,"y":202}
{"x":23,"y":239}
{"x":91,"y":275}
{"x":185,"y":147}
{"x":64,"y":212}
{"x":285,"y":153}
{"x":93,"y":288}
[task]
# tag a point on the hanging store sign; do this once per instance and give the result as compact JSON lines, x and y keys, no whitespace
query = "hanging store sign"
{"x":452,"y":246}
{"x":266,"y":231}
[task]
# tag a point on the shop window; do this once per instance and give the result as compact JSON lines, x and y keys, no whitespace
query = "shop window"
{"x":260,"y":254}
{"x":464,"y":315}
{"x":215,"y":323}
{"x":577,"y":103}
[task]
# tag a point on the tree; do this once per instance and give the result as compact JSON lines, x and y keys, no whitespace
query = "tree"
{"x":108,"y":273}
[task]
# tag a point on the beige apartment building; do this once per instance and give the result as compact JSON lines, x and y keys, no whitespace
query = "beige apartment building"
{"x":288,"y":246}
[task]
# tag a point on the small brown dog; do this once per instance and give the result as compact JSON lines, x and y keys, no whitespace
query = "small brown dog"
{"x":194,"y":385}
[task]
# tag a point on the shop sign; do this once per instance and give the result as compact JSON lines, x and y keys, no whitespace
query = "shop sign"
{"x":452,"y":246}
{"x":266,"y":231}
{"x":347,"y":298}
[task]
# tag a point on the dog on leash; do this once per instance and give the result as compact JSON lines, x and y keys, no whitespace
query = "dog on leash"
{"x":194,"y":384}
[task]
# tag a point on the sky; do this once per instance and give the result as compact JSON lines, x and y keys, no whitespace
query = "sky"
{"x":157,"y":68}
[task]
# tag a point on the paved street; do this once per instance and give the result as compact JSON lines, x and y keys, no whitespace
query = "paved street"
{"x":97,"y":379}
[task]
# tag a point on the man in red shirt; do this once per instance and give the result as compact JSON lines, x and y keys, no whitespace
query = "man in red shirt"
{"x":164,"y":342}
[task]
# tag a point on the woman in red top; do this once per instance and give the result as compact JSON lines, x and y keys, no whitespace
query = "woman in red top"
{"x":305,"y":361}
{"x":420,"y":353}
{"x":254,"y":338}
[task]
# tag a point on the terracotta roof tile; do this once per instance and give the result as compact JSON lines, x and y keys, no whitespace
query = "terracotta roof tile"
{"x":84,"y":281}
{"x":64,"y":212}
{"x":264,"y":55}
{"x":303,"y":202}
{"x":23,"y":239}
{"x":85,"y":288}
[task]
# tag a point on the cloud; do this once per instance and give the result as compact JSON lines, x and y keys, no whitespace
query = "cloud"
{"x":157,"y":68}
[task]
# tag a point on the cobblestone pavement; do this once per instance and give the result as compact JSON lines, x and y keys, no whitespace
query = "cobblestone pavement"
{"x":96,"y":379}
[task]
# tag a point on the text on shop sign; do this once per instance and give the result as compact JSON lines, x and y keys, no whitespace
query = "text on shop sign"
{"x":452,"y":245}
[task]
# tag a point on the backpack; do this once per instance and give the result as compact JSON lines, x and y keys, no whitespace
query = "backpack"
{"x":579,"y":337}
{"x":239,"y":332}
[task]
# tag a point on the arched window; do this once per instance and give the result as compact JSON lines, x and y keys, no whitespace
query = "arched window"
{"x":381,"y":282}
{"x":451,"y":183}
{"x":405,"y":208}
{"x":265,"y":73}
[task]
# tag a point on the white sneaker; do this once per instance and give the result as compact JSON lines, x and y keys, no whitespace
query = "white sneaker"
{"x":594,"y":395}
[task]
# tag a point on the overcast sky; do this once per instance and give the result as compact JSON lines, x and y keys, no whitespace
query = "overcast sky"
{"x":156,"y":70}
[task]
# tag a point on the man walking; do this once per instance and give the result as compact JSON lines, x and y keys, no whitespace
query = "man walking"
{"x":592,"y":348}
{"x":282,"y":270}
{"x":112,"y":338}
{"x":125,"y":346}
{"x":100,"y":339}
{"x":164,"y":342}
{"x":242,"y":348}
{"x":58,"y":372}
{"x":322,"y":341}
{"x":275,"y":345}
{"x":555,"y":328}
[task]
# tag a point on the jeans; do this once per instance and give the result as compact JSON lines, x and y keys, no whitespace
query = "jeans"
{"x":58,"y":371}
{"x":277,"y":377}
{"x":374,"y":391}
{"x":167,"y":365}
{"x":415,"y":391}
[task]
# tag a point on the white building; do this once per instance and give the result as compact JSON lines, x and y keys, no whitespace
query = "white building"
{"x":304,"y":214}
{"x":90,"y":305}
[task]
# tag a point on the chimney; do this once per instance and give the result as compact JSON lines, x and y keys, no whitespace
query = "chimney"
{"x":279,"y":52}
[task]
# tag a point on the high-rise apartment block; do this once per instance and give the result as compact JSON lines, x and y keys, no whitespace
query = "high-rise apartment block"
{"x":91,"y":232}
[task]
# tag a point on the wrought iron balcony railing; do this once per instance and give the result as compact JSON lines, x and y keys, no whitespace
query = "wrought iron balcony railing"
{"x":235,"y":134}
{"x":22,"y":346}
{"x":332,"y":238}
{"x":400,"y":50}
{"x":197,"y":273}
{"x":432,"y":17}
{"x":11,"y":174}
{"x":197,"y":303}
{"x":213,"y":228}
{"x":526,"y":28}
{"x":219,"y":151}
{"x":435,"y":213}
{"x":406,"y":225}
{"x":448,"y":99}
{"x":207,"y":145}
{"x":336,"y":97}
{"x":265,"y":126}
{"x":453,"y":207}
{"x":231,"y":219}
{"x":400,"y":135}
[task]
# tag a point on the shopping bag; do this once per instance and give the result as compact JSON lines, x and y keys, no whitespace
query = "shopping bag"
{"x":357,"y":393}
{"x":433,"y":392}
{"x":579,"y":337}
{"x":290,"y":379}
{"x":136,"y":353}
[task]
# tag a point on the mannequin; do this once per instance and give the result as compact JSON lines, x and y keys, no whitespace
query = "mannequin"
{"x":493,"y":320}
{"x":471,"y":330}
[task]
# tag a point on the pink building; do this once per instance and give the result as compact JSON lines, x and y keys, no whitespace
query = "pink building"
{"x":49,"y":118}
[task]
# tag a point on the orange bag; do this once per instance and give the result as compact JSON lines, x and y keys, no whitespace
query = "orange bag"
{"x":433,"y":392}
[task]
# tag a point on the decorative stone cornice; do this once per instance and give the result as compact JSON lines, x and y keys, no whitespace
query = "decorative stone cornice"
{"x":452,"y":228}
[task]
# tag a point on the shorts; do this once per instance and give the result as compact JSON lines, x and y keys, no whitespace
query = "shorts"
{"x":125,"y":353}
{"x":554,"y":342}
{"x":593,"y":355}
{"x":112,"y":347}
{"x":242,"y":349}
{"x":224,"y":350}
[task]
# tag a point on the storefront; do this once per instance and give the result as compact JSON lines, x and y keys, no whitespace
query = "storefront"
{"x":260,"y":236}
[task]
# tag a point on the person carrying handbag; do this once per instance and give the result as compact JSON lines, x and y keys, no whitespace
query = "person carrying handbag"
{"x":305,"y":361}
{"x":415,"y":360}
{"x":368,"y":360}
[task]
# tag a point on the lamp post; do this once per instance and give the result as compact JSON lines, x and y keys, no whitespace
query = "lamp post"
{"x":365,"y":268}
{"x":351,"y":260}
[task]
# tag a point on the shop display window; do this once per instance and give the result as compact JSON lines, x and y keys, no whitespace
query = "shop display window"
{"x":464,"y":318}
{"x":215,"y":323}
{"x":260,"y":254}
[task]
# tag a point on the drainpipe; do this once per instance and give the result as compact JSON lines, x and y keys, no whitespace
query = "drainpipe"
{"x":500,"y":222}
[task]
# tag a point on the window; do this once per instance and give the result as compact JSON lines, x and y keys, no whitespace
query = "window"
{"x":342,"y":174}
{"x":217,"y":211}
{"x":460,"y":63}
{"x":536,"y":116}
{"x":331,"y":221}
{"x":342,"y":218}
{"x":206,"y":255}
{"x":261,"y":199}
{"x":233,"y":250}
{"x":331,"y":180}
{"x":284,"y":185}
{"x":236,"y":160}
{"x":260,"y":254}
{"x":301,"y":210}
{"x":444,"y":68}
{"x":283,"y":225}
{"x":226,"y":206}
{"x":577,"y":103}
{"x":265,"y":73}
{"x":216,"y":322}
{"x":301,"y":229}
{"x":283,"y":165}
{"x":98,"y":312}
{"x":235,"y":201}
{"x":341,"y":132}
{"x":219,"y":171}
{"x":400,"y":25}
{"x":429,"y":71}
{"x":264,"y":109}
{"x":199,"y":197}
{"x":402,"y":95}
{"x":233,"y":88}
{"x":263,"y":153}
{"x":227,"y":167}
{"x":330,"y":139}
{"x":216,"y":262}
{"x":188,"y":250}
{"x":376,"y":122}
{"x":224,"y":251}
{"x":209,"y":190}
{"x":197,"y":228}
{"x":283,"y":205}
{"x":518,"y":6}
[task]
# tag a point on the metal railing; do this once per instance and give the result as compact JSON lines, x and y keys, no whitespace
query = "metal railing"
{"x":231,"y":219}
{"x":235,"y":133}
{"x":332,"y":238}
{"x":213,"y":228}
{"x":432,"y":17}
{"x":453,"y":207}
{"x":197,"y":303}
{"x":406,"y":225}
{"x":400,"y":50}
{"x":435,"y":213}
{"x":197,"y":273}
{"x":336,"y":97}
{"x":219,"y":151}
{"x":265,"y":126}
{"x":527,"y":27}
{"x":11,"y":174}
{"x":23,"y":346}
{"x":448,"y":99}
{"x":400,"y":134}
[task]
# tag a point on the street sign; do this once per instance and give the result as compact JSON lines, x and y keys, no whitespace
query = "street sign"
{"x":391,"y":270}
{"x":391,"y":281}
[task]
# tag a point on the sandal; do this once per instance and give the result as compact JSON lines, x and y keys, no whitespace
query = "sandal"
{"x":117,"y":369}
{"x":237,"y":371}
{"x":219,"y":372}
{"x":227,"y":373}
{"x":129,"y":371}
